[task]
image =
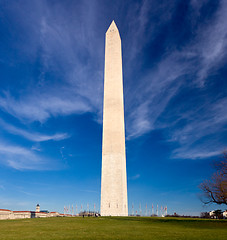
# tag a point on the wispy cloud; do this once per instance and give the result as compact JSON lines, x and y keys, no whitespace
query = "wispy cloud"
{"x":33,"y":136}
{"x":159,"y":86}
{"x":36,"y":147}
{"x":29,"y":194}
{"x":137,"y":176}
{"x":208,"y":121}
{"x":212,"y":43}
{"x":71,"y":51}
{"x":195,"y":153}
{"x":63,"y":48}
{"x":21,"y":158}
{"x":196,"y":60}
{"x":141,"y":24}
{"x":42,"y":106}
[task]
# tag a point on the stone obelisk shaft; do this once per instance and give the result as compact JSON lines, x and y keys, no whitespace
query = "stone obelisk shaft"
{"x":114,"y":181}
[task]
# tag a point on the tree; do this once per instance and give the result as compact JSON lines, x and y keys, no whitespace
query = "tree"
{"x":205,"y":215}
{"x":215,"y":189}
{"x":218,"y":214}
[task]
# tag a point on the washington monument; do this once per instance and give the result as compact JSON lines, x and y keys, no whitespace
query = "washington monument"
{"x":114,"y":180}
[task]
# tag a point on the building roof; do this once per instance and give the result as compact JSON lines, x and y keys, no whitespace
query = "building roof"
{"x":22,"y":211}
{"x":5,"y":210}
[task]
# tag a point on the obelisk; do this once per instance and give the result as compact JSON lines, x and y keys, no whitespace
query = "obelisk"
{"x":114,"y":180}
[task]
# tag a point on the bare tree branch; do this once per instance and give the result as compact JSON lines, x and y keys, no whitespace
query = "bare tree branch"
{"x":215,"y":190}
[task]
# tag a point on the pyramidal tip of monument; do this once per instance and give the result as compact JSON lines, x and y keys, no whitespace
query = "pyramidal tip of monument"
{"x":112,"y":26}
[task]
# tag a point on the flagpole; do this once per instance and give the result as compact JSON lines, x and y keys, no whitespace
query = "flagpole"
{"x":157,"y":210}
{"x":146,"y":209}
{"x":140,"y":210}
{"x":132,"y":210}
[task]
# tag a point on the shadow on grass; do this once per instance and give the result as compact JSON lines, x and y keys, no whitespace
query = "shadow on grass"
{"x":195,"y":222}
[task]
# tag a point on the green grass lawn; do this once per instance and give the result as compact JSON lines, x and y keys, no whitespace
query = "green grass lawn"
{"x":113,"y":228}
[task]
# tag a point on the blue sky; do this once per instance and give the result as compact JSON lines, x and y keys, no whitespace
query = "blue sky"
{"x":51,"y":96}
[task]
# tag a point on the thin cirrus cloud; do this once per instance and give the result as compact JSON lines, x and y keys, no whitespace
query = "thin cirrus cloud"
{"x":66,"y":47}
{"x":63,"y":47}
{"x":41,"y":106}
{"x":160,"y":85}
{"x":208,"y":121}
{"x":33,"y":136}
{"x":201,"y":56}
{"x":137,"y":176}
{"x":21,"y":158}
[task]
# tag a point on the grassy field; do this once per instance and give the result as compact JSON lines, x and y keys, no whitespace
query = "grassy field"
{"x":113,"y":228}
